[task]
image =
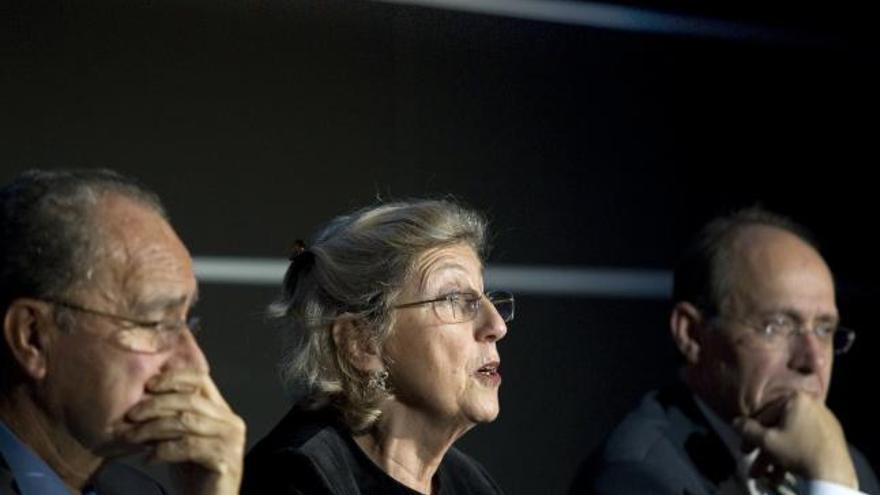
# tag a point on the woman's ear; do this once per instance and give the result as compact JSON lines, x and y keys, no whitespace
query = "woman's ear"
{"x":26,"y":333}
{"x":350,"y":334}
{"x":685,"y":324}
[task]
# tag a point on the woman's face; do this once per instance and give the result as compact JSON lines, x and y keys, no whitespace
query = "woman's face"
{"x":446,"y":370}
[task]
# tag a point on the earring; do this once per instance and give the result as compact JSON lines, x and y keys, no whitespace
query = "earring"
{"x":378,"y":380}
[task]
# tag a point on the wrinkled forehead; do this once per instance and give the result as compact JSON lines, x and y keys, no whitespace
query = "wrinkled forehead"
{"x":140,"y":262}
{"x":457,"y":263}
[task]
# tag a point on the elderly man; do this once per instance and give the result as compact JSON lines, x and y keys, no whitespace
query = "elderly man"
{"x":756,"y":322}
{"x":98,"y":355}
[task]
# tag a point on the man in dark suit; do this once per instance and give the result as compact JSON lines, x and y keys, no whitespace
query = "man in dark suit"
{"x":756,"y":321}
{"x":97,"y":356}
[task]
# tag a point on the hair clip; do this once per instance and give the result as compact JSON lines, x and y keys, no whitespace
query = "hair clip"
{"x":298,"y":248}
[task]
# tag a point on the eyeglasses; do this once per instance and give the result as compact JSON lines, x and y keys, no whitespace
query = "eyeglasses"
{"x":459,"y":307}
{"x":144,"y":336}
{"x":778,"y":330}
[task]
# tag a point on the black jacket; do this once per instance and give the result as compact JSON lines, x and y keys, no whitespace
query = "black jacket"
{"x":312,"y":453}
{"x":666,"y":447}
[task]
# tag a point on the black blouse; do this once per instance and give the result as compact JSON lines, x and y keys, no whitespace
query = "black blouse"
{"x":312,"y":453}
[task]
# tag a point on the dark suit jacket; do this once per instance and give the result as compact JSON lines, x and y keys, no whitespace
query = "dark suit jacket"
{"x":113,"y":479}
{"x":666,"y":447}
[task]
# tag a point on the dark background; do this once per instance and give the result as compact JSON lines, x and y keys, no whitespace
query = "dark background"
{"x":588,"y":147}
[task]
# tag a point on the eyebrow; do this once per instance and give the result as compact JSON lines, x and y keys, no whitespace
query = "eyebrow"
{"x":798,"y":317}
{"x":164,"y":303}
{"x":442,"y":268}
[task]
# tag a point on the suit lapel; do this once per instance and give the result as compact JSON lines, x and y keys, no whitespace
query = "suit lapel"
{"x":714,"y":465}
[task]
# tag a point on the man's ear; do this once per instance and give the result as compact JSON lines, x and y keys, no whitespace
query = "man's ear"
{"x":685,"y":324}
{"x":355,"y":345}
{"x":26,"y":332}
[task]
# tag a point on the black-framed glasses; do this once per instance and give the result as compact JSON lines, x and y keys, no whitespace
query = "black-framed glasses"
{"x":778,"y":330}
{"x":459,"y":307}
{"x":137,"y":335}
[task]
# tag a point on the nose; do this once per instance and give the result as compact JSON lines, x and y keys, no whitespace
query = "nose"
{"x":186,"y":354}
{"x":808,"y":354}
{"x":490,"y":326}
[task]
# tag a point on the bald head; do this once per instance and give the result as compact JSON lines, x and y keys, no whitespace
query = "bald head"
{"x":703,"y":274}
{"x":770,"y":263}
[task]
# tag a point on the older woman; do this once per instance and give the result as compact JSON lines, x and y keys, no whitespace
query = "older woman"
{"x":395,"y":343}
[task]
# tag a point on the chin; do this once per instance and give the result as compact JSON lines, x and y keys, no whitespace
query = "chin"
{"x":485,"y":414}
{"x":491,"y":417}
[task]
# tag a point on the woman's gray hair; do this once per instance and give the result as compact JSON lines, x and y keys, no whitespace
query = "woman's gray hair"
{"x":356,"y":266}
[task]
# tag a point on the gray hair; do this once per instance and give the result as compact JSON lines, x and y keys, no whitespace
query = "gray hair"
{"x":49,"y":239}
{"x":702,"y":276}
{"x":357,"y":265}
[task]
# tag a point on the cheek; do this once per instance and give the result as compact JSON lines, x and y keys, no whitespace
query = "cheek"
{"x":740,"y":373}
{"x":437,"y":364}
{"x":727,"y":359}
{"x":759,"y":376}
{"x":129,"y":381}
{"x":826,"y":371}
{"x":452,"y":357}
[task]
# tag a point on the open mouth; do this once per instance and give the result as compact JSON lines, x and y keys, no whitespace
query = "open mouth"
{"x":489,"y":369}
{"x":490,"y":372}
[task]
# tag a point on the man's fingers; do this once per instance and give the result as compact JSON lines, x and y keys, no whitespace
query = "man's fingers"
{"x":754,"y":434}
{"x":164,"y":405}
{"x":191,"y":438}
{"x":173,"y":415}
{"x":773,"y":413}
{"x":185,"y":381}
{"x":764,"y":468}
{"x":210,"y":453}
{"x":181,"y":424}
{"x":184,"y":420}
{"x":801,"y":435}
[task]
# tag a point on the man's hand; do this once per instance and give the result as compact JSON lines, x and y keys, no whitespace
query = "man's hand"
{"x":187,"y":423}
{"x":801,"y":435}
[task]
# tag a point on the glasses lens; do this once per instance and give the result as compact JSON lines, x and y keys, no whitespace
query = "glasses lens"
{"x":141,"y":339}
{"x":503,"y":302}
{"x":194,"y":324}
{"x":156,"y":339}
{"x":843,"y":340}
{"x":447,"y":310}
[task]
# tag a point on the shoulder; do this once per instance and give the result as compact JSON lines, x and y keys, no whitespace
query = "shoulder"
{"x":649,"y":451}
{"x":649,"y":431}
{"x":304,"y":454}
{"x":460,"y":473}
{"x":304,"y":432}
{"x":116,"y":478}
